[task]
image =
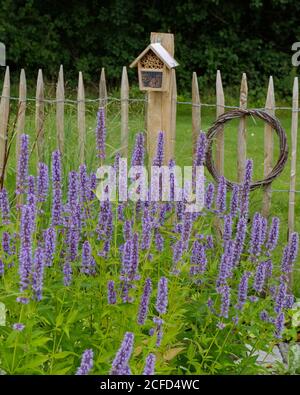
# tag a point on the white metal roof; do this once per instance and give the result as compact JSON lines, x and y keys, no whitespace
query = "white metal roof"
{"x":160,"y":52}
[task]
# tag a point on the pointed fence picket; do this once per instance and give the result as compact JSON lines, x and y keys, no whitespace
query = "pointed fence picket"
{"x":4,"y":116}
{"x":103,"y":100}
{"x":40,"y":116}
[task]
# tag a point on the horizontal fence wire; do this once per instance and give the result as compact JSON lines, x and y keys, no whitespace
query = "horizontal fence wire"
{"x":110,"y":100}
{"x":117,"y":99}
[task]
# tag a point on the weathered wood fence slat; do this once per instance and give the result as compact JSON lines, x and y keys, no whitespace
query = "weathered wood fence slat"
{"x":268,"y":147}
{"x":154,"y":101}
{"x":220,"y":102}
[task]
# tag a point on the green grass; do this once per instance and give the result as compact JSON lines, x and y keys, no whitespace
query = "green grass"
{"x":255,"y":146}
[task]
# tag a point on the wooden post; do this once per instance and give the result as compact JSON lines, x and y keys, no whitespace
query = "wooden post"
{"x":268,"y":148}
{"x":81,"y":117}
{"x":103,"y":90}
{"x":160,"y":108}
{"x":39,"y":116}
{"x":4,"y":116}
{"x":60,"y":98}
{"x":173,"y":113}
{"x":242,"y":138}
{"x":124,"y":112}
{"x":196,"y":112}
{"x":21,"y":111}
{"x":220,"y":138}
{"x":294,"y":130}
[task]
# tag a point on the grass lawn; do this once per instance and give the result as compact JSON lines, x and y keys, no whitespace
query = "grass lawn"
{"x":255,"y":146}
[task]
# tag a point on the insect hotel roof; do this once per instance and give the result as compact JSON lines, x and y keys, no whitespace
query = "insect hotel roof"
{"x":160,"y":52}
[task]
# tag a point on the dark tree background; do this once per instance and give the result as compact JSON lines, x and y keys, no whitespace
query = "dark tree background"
{"x":253,"y":36}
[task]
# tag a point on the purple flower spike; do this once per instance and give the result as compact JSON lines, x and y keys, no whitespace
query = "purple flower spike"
{"x":18,"y":327}
{"x":121,"y":216}
{"x":209,"y":195}
{"x":1,"y":268}
{"x":83,"y":184}
{"x":245,"y":191}
{"x":240,"y":239}
{"x":285,"y":263}
{"x":227,"y":228}
{"x":111,"y":293}
{"x":221,"y":195}
{"x":73,"y":191}
{"x":6,"y":243}
{"x":144,"y":304}
{"x":116,"y":162}
{"x":273,"y":234}
{"x":201,"y":149}
{"x":130,"y":256}
{"x":226,"y":264}
{"x":162,"y":296}
{"x":243,"y":290}
{"x":264,"y":316}
{"x":87,"y":261}
{"x":101,"y":133}
{"x":67,"y":270}
{"x":25,"y":257}
{"x":293,"y":248}
{"x":290,"y":253}
{"x":159,"y":241}
{"x":234,"y":203}
{"x":22,"y":300}
{"x":86,"y":364}
{"x":177,"y":252}
{"x":138,"y":154}
{"x":289,"y":301}
{"x":127,"y":230}
{"x":126,"y":259}
{"x":42,"y":182}
{"x":22,"y":173}
{"x":221,"y":325}
{"x":56,"y":189}
{"x":198,"y":258}
{"x":225,"y":300}
{"x":50,"y":242}
{"x":279,"y":325}
{"x":257,"y":235}
{"x":31,"y":197}
{"x":146,"y":230}
{"x":92,"y":186}
{"x":38,"y":273}
{"x":186,"y":231}
{"x":158,"y":330}
{"x":158,"y":160}
{"x":4,"y":207}
{"x":150,"y":364}
{"x":209,"y":242}
{"x":135,"y":257}
{"x":120,"y":363}
{"x":281,"y":295}
{"x":260,"y":276}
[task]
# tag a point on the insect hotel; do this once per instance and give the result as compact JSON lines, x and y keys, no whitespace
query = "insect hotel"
{"x":154,"y":68}
{"x":156,"y":74}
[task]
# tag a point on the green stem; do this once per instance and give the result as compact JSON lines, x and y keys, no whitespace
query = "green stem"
{"x":221,"y":350}
{"x":210,"y":346}
{"x":16,"y":341}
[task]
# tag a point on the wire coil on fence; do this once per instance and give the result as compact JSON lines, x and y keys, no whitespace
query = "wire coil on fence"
{"x":239,"y":113}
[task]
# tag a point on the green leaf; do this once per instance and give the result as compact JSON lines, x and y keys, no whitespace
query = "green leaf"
{"x":59,"y":320}
{"x":34,"y":363}
{"x":63,"y":354}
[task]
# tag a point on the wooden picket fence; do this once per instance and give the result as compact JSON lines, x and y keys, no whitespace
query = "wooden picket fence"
{"x":124,"y":100}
